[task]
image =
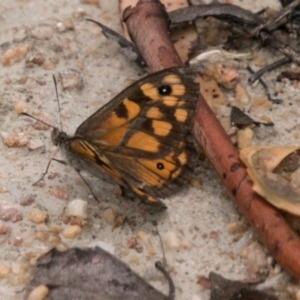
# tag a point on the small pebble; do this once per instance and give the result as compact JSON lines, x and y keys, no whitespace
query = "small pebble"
{"x":37,"y":59}
{"x":16,"y":140}
{"x":34,"y":144}
{"x":38,"y":216}
{"x":145,"y":237}
{"x":109,"y":216}
{"x":11,"y":56}
{"x":4,"y":271}
{"x":9,"y":212}
{"x":60,"y":27}
{"x":76,"y":208}
{"x":12,"y":155}
{"x":4,"y":229}
{"x":3,"y":189}
{"x":41,"y":125}
{"x":71,"y":79}
{"x":79,"y":13}
{"x":68,"y":23}
{"x":42,"y":32}
{"x":20,"y":36}
{"x":171,"y":240}
{"x":48,"y":65}
{"x":39,"y":293}
{"x":20,"y":106}
{"x":256,"y":260}
{"x":19,"y":268}
{"x":134,"y":244}
{"x":195,"y":182}
{"x":59,"y":194}
{"x":70,"y":232}
{"x":27,"y":200}
{"x":48,"y":238}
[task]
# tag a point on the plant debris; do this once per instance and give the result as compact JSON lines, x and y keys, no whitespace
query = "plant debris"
{"x":225,"y":289}
{"x":239,"y":118}
{"x":91,"y":273}
{"x":271,"y":170}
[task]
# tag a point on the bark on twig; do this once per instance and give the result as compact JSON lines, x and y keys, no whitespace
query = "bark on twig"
{"x":148,"y":27}
{"x":150,"y":33}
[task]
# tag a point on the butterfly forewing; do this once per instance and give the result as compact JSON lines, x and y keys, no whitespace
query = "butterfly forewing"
{"x":142,"y":135}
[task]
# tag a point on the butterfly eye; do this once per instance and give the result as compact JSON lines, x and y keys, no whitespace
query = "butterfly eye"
{"x":160,"y":166}
{"x":165,"y":90}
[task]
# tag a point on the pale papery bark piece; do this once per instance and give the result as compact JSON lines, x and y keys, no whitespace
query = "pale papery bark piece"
{"x":272,"y":229}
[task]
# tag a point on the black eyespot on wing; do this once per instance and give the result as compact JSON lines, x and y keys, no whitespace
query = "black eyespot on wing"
{"x":160,"y":166}
{"x":121,"y":111}
{"x":165,"y":90}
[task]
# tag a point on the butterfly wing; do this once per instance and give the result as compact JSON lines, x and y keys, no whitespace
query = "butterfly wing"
{"x":142,"y":135}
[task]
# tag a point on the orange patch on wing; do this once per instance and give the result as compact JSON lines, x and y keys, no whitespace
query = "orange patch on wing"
{"x":143,"y":141}
{"x":176,"y":174}
{"x":79,"y":147}
{"x":181,"y":115}
{"x":180,"y":103}
{"x":154,"y":113}
{"x":170,"y":100}
{"x":150,"y":91}
{"x":113,"y":120}
{"x":161,"y":128}
{"x":172,"y":79}
{"x":178,"y":89}
{"x":114,"y":137}
{"x":182,"y":158}
{"x":170,"y":158}
{"x":133,"y":109}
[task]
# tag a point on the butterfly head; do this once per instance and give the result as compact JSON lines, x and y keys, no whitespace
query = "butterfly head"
{"x":58,"y":137}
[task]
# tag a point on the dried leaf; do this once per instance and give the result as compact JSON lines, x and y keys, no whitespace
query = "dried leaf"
{"x":262,"y":163}
{"x":91,"y":274}
{"x":225,"y":289}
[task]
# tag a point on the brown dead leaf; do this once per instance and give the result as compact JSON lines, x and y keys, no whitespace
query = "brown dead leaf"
{"x":271,"y":170}
{"x":225,"y":289}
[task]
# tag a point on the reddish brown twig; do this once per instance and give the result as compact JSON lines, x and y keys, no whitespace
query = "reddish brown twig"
{"x":151,"y":38}
{"x":149,"y":30}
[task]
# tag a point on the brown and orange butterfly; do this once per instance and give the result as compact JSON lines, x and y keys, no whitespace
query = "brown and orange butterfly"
{"x":141,"y":138}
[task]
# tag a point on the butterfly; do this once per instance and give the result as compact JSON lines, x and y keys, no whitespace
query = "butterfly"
{"x":141,"y":138}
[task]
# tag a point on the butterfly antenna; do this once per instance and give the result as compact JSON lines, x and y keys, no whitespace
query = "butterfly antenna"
{"x":30,"y":116}
{"x":161,"y":243}
{"x":57,"y":98}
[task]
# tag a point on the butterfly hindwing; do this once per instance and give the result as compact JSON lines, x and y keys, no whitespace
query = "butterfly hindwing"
{"x":141,"y":137}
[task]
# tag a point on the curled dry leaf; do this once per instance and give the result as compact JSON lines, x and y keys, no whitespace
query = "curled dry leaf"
{"x":269,"y":168}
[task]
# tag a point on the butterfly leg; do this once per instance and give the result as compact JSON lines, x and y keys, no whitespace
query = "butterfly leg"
{"x":89,"y":187}
{"x":48,"y":166}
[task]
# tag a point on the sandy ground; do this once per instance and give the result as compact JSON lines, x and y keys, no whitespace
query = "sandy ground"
{"x":194,"y":229}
